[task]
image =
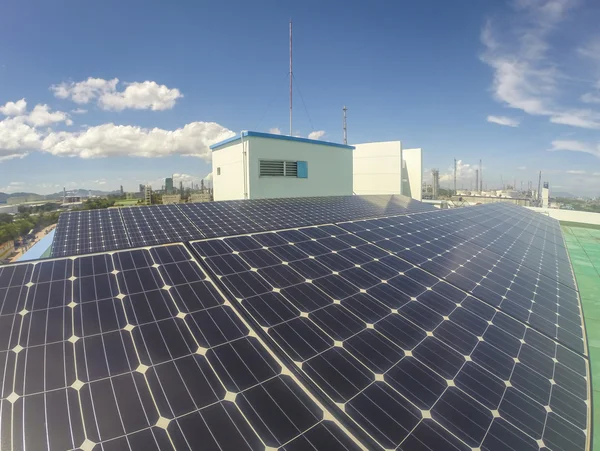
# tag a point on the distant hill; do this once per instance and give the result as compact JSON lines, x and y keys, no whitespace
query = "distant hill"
{"x":4,"y":196}
{"x":58,"y":195}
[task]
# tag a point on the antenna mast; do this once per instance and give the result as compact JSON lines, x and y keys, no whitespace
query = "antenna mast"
{"x":291,"y":77}
{"x":345,"y":130}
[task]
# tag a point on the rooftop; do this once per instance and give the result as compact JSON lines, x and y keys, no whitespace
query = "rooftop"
{"x":245,"y":134}
{"x":583,"y":244}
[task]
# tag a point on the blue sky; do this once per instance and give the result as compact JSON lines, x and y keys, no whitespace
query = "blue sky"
{"x":126,"y":94}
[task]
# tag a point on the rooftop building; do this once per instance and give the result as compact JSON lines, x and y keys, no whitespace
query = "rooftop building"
{"x":263,"y":165}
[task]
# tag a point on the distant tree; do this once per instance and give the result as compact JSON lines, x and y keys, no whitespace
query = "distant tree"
{"x":5,"y":218}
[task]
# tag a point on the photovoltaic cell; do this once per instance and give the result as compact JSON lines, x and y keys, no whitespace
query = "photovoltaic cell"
{"x":139,"y":350}
{"x":408,"y":357}
{"x":88,"y":231}
{"x":543,"y":302}
{"x":409,"y":329}
{"x":157,"y":224}
{"x":82,"y":232}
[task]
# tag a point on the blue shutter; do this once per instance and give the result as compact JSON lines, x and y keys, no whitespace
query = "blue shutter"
{"x":303,"y":169}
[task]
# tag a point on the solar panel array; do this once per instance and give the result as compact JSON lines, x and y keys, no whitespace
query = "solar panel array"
{"x":443,"y":330}
{"x":139,"y":350}
{"x":86,"y":231}
{"x":412,"y":359}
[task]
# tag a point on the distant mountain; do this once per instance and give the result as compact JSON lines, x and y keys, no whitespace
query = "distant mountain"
{"x":58,"y":195}
{"x":4,"y":196}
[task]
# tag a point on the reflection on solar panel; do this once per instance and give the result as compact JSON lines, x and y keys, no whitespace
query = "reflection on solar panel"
{"x":140,"y":351}
{"x":82,"y":232}
{"x":448,"y":330}
{"x":412,"y":360}
{"x":157,"y":224}
{"x":536,"y":299}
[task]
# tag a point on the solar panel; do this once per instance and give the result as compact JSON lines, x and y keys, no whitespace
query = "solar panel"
{"x":403,"y":331}
{"x":88,"y":231}
{"x":412,"y":360}
{"x":158,"y":224}
{"x":139,"y":350}
{"x":542,"y":302}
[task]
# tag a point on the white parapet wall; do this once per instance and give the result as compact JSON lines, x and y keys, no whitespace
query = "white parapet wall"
{"x":412,"y":173}
{"x":583,"y":217}
{"x":378,"y":168}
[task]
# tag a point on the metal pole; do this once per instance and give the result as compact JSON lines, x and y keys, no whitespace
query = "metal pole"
{"x":291,"y":78}
{"x":345,"y":129}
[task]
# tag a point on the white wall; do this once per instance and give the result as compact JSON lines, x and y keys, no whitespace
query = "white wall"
{"x":329,"y":169}
{"x":583,"y":217}
{"x":545,"y":197}
{"x":412,"y":173}
{"x":229,"y":185}
{"x":377,"y":168}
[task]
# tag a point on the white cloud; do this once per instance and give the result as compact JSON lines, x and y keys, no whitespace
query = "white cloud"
{"x":41,"y":116}
{"x":575,"y":146}
{"x":14,"y":108}
{"x":573,"y":171}
{"x":525,"y":77}
{"x":209,"y":177}
{"x":138,"y":95}
{"x":596,"y":174}
{"x":317,"y":134}
{"x":79,"y":111}
{"x":464,"y":171}
{"x":590,"y":97}
{"x":275,"y":131}
{"x":503,"y":120}
{"x":521,"y":168}
{"x":84,"y":91}
{"x":141,"y":96}
{"x":17,"y":138}
{"x":110,"y":140}
{"x":13,"y":187}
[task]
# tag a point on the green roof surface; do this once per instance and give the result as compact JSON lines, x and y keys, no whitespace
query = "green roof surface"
{"x":583,"y":244}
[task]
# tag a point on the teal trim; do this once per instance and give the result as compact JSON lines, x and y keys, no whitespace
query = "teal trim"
{"x":302,"y":169}
{"x":218,"y":145}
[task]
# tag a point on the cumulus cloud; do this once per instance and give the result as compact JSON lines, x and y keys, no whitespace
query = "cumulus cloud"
{"x":84,"y":91}
{"x":317,"y":134}
{"x":524,"y":75}
{"x":575,"y":146}
{"x":275,"y":131}
{"x":147,"y":95}
{"x":464,"y":171}
{"x":109,"y":140}
{"x":79,"y":111}
{"x":41,"y":116}
{"x":17,"y":108}
{"x":503,"y":120}
{"x":17,"y":138}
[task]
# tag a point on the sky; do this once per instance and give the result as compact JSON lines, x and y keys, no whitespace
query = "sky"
{"x":95,"y":95}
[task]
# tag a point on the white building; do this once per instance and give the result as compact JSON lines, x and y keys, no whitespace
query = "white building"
{"x":386,"y":168}
{"x":262,"y":165}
